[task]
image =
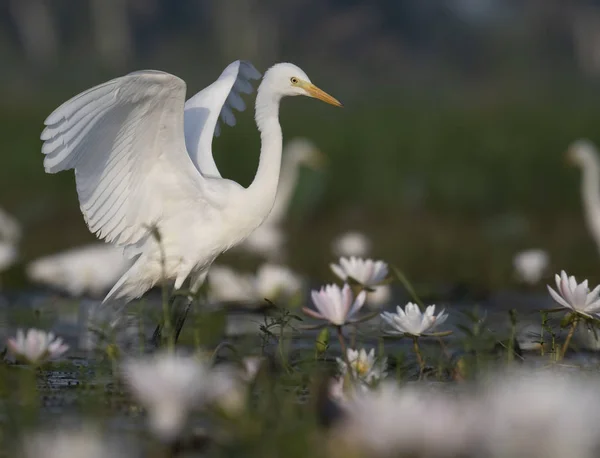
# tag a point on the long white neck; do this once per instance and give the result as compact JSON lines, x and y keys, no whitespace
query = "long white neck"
{"x":590,"y":189}
{"x":287,"y":184}
{"x":262,"y":191}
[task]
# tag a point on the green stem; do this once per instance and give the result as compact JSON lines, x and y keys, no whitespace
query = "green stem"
{"x":345,"y":352}
{"x":419,"y":356}
{"x":569,"y":336}
{"x":281,"y":352}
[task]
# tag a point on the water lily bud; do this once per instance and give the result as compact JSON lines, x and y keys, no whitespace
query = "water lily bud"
{"x":322,"y":341}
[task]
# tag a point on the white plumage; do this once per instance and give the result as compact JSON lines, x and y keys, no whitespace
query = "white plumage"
{"x":269,"y":238}
{"x":140,"y":188}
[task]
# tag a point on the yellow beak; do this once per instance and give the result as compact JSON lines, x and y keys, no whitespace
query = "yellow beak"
{"x":314,"y":91}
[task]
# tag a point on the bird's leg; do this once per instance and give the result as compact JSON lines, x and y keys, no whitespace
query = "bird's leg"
{"x":179,"y":318}
{"x":157,"y":336}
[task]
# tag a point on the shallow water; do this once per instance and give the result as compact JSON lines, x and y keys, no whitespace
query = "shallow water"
{"x":84,"y":383}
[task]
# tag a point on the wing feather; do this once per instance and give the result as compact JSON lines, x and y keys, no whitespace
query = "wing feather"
{"x":125,"y":140}
{"x":203,"y":110}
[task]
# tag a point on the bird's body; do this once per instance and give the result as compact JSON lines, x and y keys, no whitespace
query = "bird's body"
{"x":584,"y":154}
{"x":146,"y":178}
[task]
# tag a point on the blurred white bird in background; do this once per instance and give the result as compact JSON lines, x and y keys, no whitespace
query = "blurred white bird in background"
{"x":352,"y":243}
{"x":88,"y":270}
{"x":268,"y":239}
{"x":10,"y":236}
{"x":145,"y":173}
{"x":584,"y":154}
{"x":271,"y":281}
{"x":530,"y":265}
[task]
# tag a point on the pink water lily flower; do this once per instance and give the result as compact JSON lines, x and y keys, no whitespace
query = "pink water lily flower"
{"x":576,"y":296}
{"x":36,"y":346}
{"x":336,"y":305}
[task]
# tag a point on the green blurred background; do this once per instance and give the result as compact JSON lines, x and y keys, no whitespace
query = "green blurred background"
{"x":449,"y":152}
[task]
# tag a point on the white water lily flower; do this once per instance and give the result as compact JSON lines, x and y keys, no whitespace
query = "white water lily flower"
{"x":36,"y":346}
{"x":364,"y":366}
{"x":169,"y":386}
{"x":411,"y":321}
{"x":336,"y":305}
{"x":365,"y":271}
{"x":576,"y":296}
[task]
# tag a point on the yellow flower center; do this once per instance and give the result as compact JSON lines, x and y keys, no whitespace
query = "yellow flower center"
{"x":361,"y":368}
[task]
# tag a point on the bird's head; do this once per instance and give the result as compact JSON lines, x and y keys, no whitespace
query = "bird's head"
{"x":304,"y":152}
{"x":581,"y":153}
{"x":287,"y":79}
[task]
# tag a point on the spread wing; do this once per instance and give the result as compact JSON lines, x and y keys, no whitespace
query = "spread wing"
{"x":125,"y":140}
{"x":219,"y":100}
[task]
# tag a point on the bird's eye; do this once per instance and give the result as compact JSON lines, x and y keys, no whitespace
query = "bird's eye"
{"x":294,"y":80}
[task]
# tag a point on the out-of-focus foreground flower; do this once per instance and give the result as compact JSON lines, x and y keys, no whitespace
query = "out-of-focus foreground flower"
{"x":36,"y":346}
{"x":365,"y":271}
{"x":576,"y":296}
{"x":74,"y":443}
{"x":404,"y":422}
{"x":412,"y":321}
{"x":336,"y":305}
{"x":540,"y":415}
{"x":170,"y":386}
{"x":533,"y":415}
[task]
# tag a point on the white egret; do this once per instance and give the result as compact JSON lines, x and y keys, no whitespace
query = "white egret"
{"x":91,"y":269}
{"x":269,"y":238}
{"x":145,"y":173}
{"x":10,"y":235}
{"x":584,"y":154}
{"x":530,"y":265}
